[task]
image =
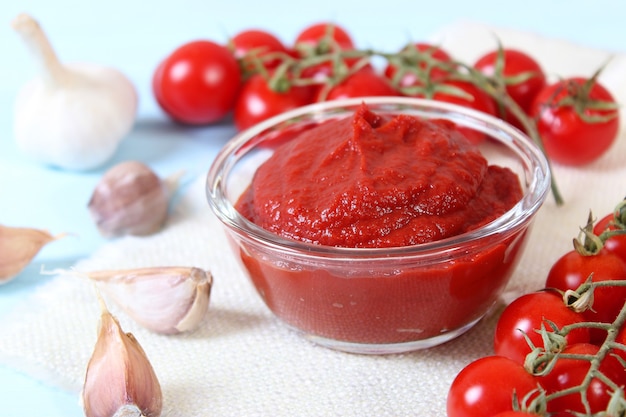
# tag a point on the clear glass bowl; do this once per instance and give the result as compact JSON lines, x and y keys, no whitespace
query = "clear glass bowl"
{"x":387,"y":300}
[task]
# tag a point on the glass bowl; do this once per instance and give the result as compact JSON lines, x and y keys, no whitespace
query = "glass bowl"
{"x":379,"y":300}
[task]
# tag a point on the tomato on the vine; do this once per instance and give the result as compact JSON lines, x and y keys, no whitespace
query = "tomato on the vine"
{"x":321,"y":39}
{"x":252,"y":44}
{"x":521,"y":73}
{"x":528,"y":313}
{"x":409,"y":78}
{"x":577,"y":120}
{"x":257,"y":101}
{"x":197,"y":83}
{"x":616,"y":243}
{"x":573,"y":269}
{"x":313,"y":34}
{"x":365,"y":82}
{"x":485,"y":387}
{"x":569,"y":373}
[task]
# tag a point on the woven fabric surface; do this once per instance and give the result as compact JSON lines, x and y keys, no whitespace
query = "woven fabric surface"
{"x":244,"y":362}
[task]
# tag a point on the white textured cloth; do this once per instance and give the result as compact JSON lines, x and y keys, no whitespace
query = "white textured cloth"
{"x":242,"y":361}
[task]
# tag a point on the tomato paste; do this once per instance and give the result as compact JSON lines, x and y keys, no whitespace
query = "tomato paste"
{"x":375,"y":181}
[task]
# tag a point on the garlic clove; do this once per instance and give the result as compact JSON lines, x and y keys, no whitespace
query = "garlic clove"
{"x":120,"y":380}
{"x":18,"y":247}
{"x":71,"y":116}
{"x":165,"y":300}
{"x":130,"y":199}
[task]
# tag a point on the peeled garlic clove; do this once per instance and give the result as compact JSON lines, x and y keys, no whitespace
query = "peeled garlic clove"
{"x":18,"y":246}
{"x":130,"y":199}
{"x":120,"y":380}
{"x":166,"y":300}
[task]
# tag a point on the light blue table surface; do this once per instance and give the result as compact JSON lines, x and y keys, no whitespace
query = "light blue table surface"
{"x":133,"y":36}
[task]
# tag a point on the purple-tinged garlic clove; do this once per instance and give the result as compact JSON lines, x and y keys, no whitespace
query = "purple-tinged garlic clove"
{"x":120,"y":380}
{"x":130,"y":199}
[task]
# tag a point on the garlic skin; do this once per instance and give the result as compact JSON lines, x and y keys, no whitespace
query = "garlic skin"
{"x":166,"y":300}
{"x":130,"y":199}
{"x":18,"y":247}
{"x":120,"y":380}
{"x":72,"y":116}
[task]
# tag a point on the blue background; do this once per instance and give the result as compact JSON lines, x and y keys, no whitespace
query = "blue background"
{"x":134,"y":36}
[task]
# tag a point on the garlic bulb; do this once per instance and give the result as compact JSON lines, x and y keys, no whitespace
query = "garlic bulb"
{"x":166,"y":300}
{"x":130,"y":199}
{"x":73,"y":116}
{"x":120,"y":380}
{"x":18,"y":246}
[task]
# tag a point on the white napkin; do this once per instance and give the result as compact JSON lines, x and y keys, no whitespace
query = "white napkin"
{"x":242,"y":361}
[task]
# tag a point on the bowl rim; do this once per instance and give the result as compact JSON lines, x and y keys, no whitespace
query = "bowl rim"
{"x":505,"y":225}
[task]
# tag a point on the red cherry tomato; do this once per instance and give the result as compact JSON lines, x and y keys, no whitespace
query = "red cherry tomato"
{"x":252,"y":43}
{"x":468,"y":95}
{"x":572,"y":269}
{"x":198,"y":83}
{"x":516,"y":414}
{"x":485,"y":387}
{"x":257,"y":101}
{"x":313,"y":34}
{"x":319,"y":39}
{"x":567,"y":137}
{"x":615,"y":244}
{"x":365,"y":82}
{"x":514,"y":63}
{"x":527,"y":314}
{"x":411,"y":79}
{"x":568,"y":373}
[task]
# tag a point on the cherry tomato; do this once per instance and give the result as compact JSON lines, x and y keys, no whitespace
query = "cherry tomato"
{"x":572,"y":269}
{"x":365,"y":82}
{"x":468,"y":95}
{"x":313,"y":34}
{"x":411,"y":79}
{"x":515,"y":414}
{"x":567,"y":137}
{"x":197,"y":83}
{"x":514,"y":64}
{"x":615,"y":244}
{"x":527,"y":314}
{"x":568,"y":373}
{"x":320,"y":39}
{"x":252,"y":43}
{"x":257,"y":101}
{"x":485,"y":387}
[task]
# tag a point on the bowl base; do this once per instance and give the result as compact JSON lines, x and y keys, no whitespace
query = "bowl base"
{"x":387,"y":348}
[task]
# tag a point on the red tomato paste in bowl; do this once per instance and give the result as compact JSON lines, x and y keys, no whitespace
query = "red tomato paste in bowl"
{"x":380,"y":231}
{"x":377,"y":181}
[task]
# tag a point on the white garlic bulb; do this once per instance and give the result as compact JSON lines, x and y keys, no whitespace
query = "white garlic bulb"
{"x":72,"y":116}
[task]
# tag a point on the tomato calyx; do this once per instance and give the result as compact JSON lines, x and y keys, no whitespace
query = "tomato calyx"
{"x":325,"y":44}
{"x":588,"y":243}
{"x":533,"y":403}
{"x":578,"y":96}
